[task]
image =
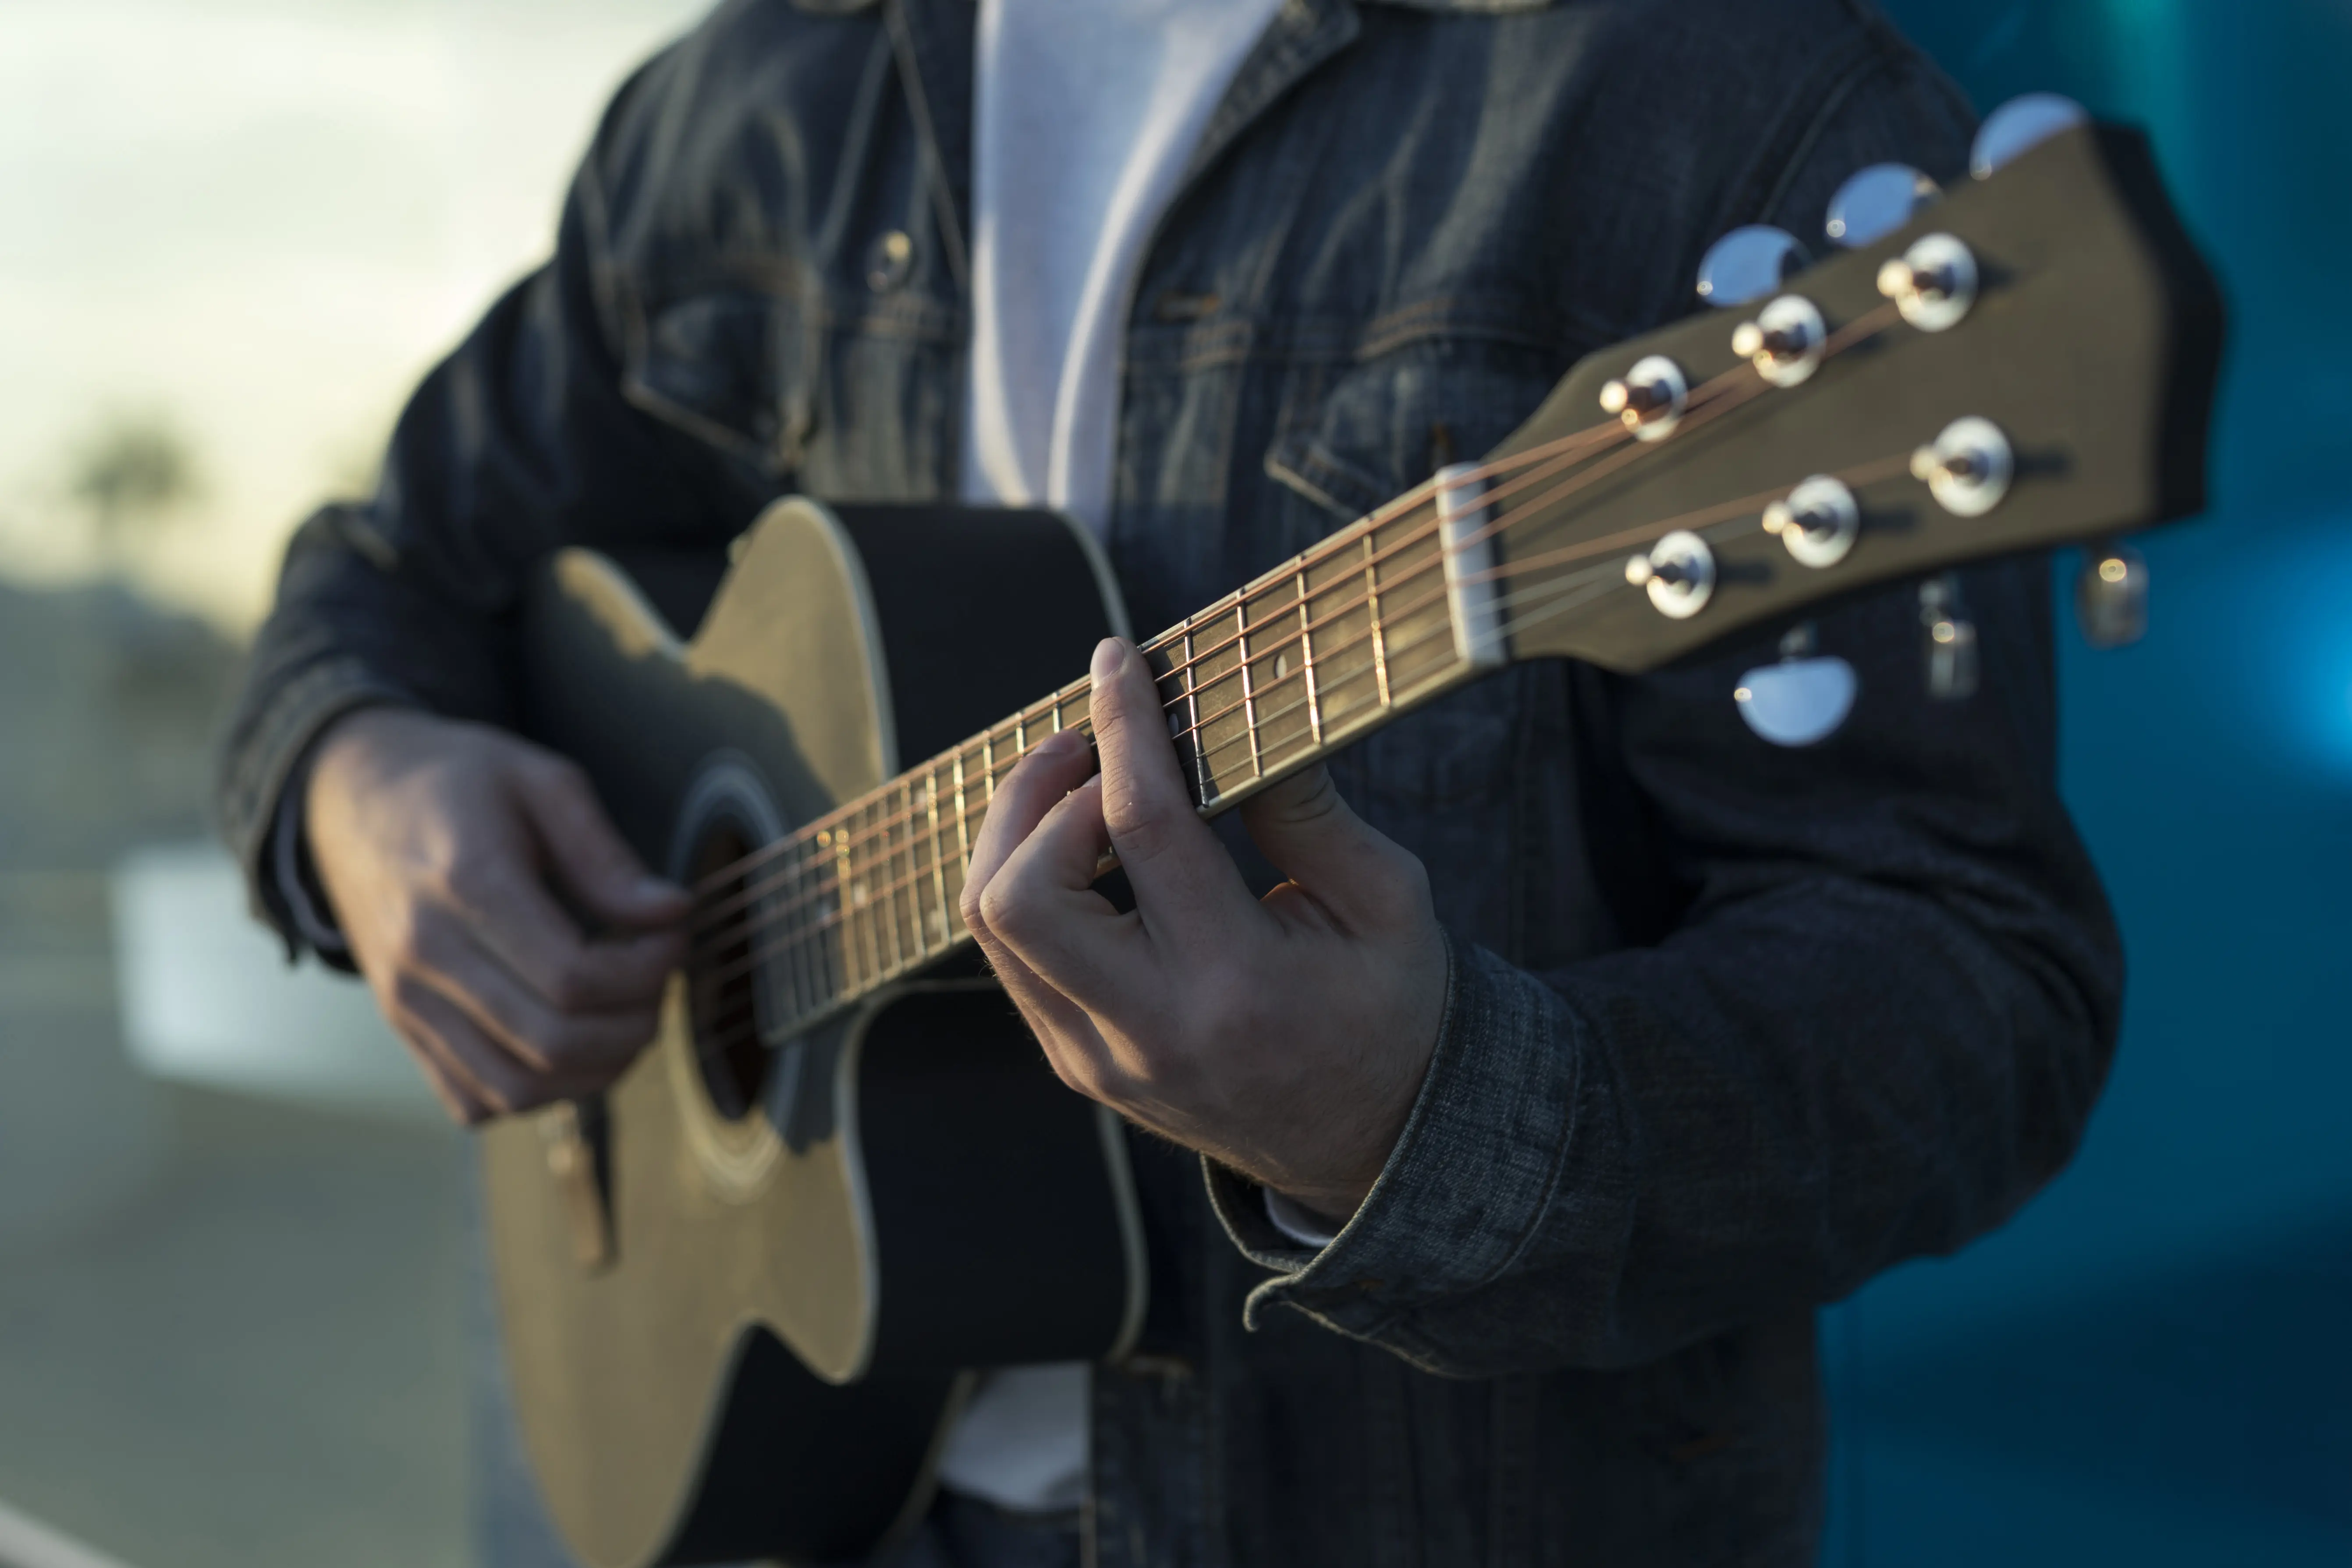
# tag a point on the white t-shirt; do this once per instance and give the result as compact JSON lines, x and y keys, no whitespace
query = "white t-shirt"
{"x":1085,"y":114}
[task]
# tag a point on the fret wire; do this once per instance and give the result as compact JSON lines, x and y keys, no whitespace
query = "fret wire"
{"x":885,"y":941}
{"x":914,"y":914}
{"x":1307,"y":658}
{"x":833,"y":956}
{"x":850,"y":976}
{"x":832,"y":966}
{"x":862,"y":891}
{"x":1372,"y":614}
{"x":1249,"y":711}
{"x":939,"y":858}
{"x":905,"y":845}
{"x":1193,"y":718}
{"x":963,"y":823}
{"x":857,"y":919}
{"x":915,"y":871}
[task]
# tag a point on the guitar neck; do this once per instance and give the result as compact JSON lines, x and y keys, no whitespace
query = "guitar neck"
{"x":1373,"y":621}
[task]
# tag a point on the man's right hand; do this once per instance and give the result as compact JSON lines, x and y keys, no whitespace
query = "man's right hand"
{"x":454,"y":855}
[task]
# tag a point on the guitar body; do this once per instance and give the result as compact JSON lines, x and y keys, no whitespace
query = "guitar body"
{"x":741,"y":1290}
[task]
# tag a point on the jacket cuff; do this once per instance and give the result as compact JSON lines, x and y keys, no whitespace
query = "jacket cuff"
{"x":1470,"y":1178}
{"x":273,"y":755}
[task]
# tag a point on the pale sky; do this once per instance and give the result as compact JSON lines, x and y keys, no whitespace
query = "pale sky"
{"x":261,"y":220}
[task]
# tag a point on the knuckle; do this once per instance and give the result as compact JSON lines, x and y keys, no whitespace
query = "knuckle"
{"x":1003,"y":909}
{"x":570,"y":988}
{"x":1140,"y":831}
{"x":468,"y":880}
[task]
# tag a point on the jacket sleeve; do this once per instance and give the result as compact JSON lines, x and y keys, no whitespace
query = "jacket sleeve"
{"x":520,"y":441}
{"x":1877,"y":1025}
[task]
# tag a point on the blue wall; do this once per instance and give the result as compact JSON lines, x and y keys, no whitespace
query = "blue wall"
{"x":2153,"y":1364}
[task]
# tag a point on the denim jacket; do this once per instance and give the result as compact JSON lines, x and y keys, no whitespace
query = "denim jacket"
{"x":1729,"y":1027}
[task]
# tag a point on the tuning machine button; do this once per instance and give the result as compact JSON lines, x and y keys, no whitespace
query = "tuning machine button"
{"x":1818,"y":522}
{"x":1748,"y":263}
{"x":1801,"y":700}
{"x":1933,"y":283}
{"x":1949,"y":639}
{"x":1678,"y":572}
{"x":1967,"y":468}
{"x":2111,"y":596}
{"x":1877,"y":201}
{"x":1650,"y":398}
{"x":1784,"y":341}
{"x":2020,"y":124}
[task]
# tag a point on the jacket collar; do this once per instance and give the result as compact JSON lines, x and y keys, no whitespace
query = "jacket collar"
{"x":933,"y":40}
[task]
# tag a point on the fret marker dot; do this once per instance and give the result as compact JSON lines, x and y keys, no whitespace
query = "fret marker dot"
{"x":1281,"y":665}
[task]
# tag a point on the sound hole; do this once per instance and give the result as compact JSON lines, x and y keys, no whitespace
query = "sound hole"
{"x":726,"y":1008}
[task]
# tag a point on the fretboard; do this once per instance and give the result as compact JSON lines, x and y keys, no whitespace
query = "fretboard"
{"x":1375,"y":620}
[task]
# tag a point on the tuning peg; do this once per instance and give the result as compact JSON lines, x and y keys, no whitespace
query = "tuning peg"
{"x":1678,"y":572}
{"x":2111,"y":596}
{"x":1877,"y":201}
{"x":1949,"y":639}
{"x":1799,"y":700}
{"x":1748,"y":263}
{"x":2021,"y":124}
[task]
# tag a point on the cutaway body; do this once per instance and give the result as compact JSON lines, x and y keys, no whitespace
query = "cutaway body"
{"x":740,"y":1290}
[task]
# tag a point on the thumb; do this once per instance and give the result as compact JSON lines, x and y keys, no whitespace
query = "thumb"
{"x":1362,"y":877}
{"x":585,"y":854}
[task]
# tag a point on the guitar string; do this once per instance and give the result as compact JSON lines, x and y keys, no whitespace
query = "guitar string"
{"x":1569,"y":595}
{"x":909,"y":845}
{"x":1559,"y":452}
{"x":913,"y":843}
{"x":1714,"y":398}
{"x":711,"y":914}
{"x":1702,"y":517}
{"x":1321,"y":552}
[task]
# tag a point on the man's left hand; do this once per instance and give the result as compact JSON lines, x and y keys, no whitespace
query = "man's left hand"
{"x":1286,"y":1038}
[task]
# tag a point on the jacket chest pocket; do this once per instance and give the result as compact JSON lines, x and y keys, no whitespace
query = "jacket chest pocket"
{"x":733,"y":365}
{"x":845,"y":395}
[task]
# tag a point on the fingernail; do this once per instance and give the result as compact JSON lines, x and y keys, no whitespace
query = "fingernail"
{"x":1109,"y":655}
{"x":654,"y":891}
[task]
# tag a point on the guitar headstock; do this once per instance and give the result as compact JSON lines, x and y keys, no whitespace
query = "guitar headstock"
{"x":2027,"y":361}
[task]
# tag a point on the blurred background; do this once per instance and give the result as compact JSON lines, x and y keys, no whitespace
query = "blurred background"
{"x":234,"y":232}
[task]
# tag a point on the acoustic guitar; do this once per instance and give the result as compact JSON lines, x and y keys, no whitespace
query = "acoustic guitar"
{"x":744,"y":1292}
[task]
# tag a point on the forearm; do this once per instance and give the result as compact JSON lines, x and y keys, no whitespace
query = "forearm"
{"x":1610,"y":1162}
